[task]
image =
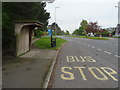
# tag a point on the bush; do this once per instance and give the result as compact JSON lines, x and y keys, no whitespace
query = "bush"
{"x":37,"y":33}
{"x":105,"y":33}
{"x":113,"y":33}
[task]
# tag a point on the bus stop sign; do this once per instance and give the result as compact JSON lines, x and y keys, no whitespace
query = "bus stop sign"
{"x":50,"y":32}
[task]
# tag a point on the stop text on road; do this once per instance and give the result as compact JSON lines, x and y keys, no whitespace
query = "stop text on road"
{"x":101,"y":73}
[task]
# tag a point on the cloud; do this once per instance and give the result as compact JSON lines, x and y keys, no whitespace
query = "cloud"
{"x":71,"y":12}
{"x":86,"y":1}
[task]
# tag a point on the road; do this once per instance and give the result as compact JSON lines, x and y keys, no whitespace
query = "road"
{"x":85,"y":63}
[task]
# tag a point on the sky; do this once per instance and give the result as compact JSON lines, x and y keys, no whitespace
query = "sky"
{"x":71,"y":12}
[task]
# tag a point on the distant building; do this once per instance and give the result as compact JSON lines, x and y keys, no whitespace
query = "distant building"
{"x":111,"y":29}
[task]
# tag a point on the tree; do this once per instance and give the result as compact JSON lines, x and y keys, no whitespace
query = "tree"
{"x":62,"y":32}
{"x":56,"y":28}
{"x":92,"y":27}
{"x":113,"y":32}
{"x":76,"y":32}
{"x":67,"y":32}
{"x":79,"y":31}
{"x":20,"y":11}
{"x":84,"y":24}
{"x":82,"y":28}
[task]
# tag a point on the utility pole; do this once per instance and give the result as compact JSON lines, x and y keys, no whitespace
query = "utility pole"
{"x":55,"y":21}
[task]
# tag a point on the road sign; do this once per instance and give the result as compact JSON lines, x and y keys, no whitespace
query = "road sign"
{"x":50,"y":32}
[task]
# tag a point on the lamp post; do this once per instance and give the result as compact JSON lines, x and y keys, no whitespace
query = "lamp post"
{"x":118,"y":25}
{"x":55,"y":19}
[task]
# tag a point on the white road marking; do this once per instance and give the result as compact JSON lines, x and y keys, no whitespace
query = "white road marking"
{"x":93,"y":47}
{"x":99,"y":49}
{"x":107,"y":52}
{"x":117,"y":56}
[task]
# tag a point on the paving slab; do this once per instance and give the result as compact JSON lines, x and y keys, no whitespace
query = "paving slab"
{"x":27,"y":71}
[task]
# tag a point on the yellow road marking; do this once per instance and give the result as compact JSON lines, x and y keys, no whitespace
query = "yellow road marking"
{"x":81,"y":71}
{"x":71,"y":75}
{"x":82,"y":59}
{"x":68,"y":75}
{"x":110,"y":73}
{"x":70,"y":59}
{"x":89,"y":59}
{"x":104,"y":77}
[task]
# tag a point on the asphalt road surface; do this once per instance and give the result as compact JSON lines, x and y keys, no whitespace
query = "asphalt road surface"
{"x":85,"y":63}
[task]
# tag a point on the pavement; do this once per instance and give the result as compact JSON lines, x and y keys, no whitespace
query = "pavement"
{"x":27,"y":71}
{"x":85,"y":63}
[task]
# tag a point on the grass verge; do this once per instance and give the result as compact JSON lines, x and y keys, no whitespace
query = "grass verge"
{"x":97,"y":38}
{"x":114,"y":37}
{"x":45,"y":43}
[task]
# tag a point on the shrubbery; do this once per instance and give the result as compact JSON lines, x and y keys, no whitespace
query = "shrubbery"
{"x":20,"y":11}
{"x":37,"y":33}
{"x":104,"y":34}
